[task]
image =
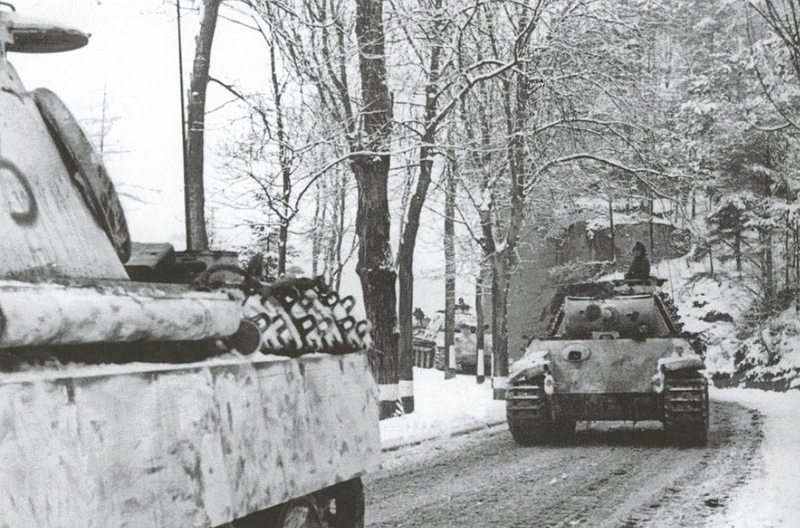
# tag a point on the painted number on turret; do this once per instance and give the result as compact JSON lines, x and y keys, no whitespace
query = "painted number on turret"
{"x":21,"y":199}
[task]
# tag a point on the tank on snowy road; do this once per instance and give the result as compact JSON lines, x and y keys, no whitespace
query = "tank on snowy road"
{"x":614,"y":351}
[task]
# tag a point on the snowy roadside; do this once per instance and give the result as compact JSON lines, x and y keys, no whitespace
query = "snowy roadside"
{"x":443,"y":409}
{"x":770,"y":499}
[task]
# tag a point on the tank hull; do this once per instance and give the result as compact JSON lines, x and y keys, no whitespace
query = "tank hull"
{"x":607,"y":366}
{"x":158,"y":445}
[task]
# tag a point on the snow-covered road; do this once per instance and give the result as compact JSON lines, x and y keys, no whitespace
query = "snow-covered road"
{"x":613,"y":475}
{"x":771,"y":498}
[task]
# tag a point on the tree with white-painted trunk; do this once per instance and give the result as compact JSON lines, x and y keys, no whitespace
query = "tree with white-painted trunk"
{"x":450,"y":267}
{"x":435,"y":32}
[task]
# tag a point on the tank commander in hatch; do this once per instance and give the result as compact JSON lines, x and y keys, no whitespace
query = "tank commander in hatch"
{"x":640,"y":267}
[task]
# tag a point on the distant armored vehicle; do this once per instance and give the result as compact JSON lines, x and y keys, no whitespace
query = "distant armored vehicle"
{"x":429,"y":345}
{"x":614,"y":351}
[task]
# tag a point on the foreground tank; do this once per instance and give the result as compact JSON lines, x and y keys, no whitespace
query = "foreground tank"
{"x":614,"y":351}
{"x":194,"y":395}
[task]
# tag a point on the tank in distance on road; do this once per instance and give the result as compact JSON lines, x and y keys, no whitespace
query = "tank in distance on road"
{"x":614,"y":350}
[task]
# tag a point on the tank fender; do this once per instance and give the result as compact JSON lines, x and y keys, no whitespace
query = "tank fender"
{"x":686,"y":362}
{"x":675,"y":363}
{"x":533,"y":363}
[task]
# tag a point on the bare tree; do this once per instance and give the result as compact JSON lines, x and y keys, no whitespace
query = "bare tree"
{"x":196,"y":237}
{"x":450,"y":75}
{"x":370,"y":161}
{"x":560,"y":107}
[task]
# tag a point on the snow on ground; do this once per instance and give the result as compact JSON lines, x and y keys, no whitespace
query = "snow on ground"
{"x":448,"y":407}
{"x":443,"y":408}
{"x":771,"y":498}
{"x":714,"y":306}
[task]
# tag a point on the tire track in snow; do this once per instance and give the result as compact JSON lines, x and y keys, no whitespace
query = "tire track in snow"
{"x":610,"y":476}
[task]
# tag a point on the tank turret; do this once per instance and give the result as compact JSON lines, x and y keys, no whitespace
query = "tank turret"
{"x":626,"y":317}
{"x":612,"y":310}
{"x":49,"y":229}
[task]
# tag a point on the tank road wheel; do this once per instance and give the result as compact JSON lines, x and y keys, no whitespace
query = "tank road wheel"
{"x":301,"y":513}
{"x":344,"y":504}
{"x":686,"y":408}
{"x":338,"y":506}
{"x":528,"y":415}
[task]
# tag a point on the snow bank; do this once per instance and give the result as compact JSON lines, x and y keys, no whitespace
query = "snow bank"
{"x":773,"y":353}
{"x":443,"y":408}
{"x":711,"y":306}
{"x":770,"y":499}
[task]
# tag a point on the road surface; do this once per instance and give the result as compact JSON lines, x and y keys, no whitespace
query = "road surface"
{"x":612,"y":475}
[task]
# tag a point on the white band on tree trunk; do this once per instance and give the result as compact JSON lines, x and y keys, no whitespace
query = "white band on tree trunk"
{"x":500,"y":382}
{"x":481,"y":371}
{"x":406,"y":388}
{"x":451,"y":354}
{"x":388,"y":392}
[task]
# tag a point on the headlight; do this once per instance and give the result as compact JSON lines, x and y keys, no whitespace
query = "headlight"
{"x":549,"y":385}
{"x":658,"y":382}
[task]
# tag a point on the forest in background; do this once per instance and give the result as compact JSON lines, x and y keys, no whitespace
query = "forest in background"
{"x":499,"y":117}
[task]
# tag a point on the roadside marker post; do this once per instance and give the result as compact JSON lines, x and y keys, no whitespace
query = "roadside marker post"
{"x":450,"y":358}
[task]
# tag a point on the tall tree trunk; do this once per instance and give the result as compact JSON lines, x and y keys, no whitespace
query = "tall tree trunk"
{"x":769,"y":269}
{"x":504,"y":260}
{"x":796,"y":237}
{"x":196,"y":236}
{"x":501,"y":277}
{"x":737,"y":250}
{"x":319,"y":227}
{"x":652,"y":237}
{"x":711,"y":259}
{"x":408,"y":240}
{"x":613,"y":234}
{"x":449,"y":270}
{"x":341,"y":198}
{"x":405,"y":268}
{"x":786,"y":255}
{"x":284,"y":213}
{"x":480,"y":332}
{"x":331,"y":233}
{"x":375,"y":267}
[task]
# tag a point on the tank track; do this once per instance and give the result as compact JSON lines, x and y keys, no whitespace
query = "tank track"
{"x":529,"y":416}
{"x":299,"y":316}
{"x":671,"y":309}
{"x":685,"y":400}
